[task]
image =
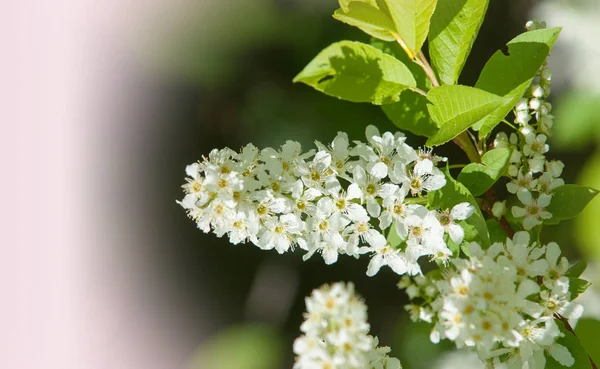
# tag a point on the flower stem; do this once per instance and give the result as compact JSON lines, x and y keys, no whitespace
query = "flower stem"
{"x":422,"y":61}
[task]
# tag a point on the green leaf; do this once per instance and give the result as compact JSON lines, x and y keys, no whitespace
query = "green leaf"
{"x":510,"y":75}
{"x":572,"y":343}
{"x":568,"y":201}
{"x":410,"y":113}
{"x":478,"y":178}
{"x":368,"y":18}
{"x":357,"y":72}
{"x":393,"y":238}
{"x":411,"y":18}
{"x":454,"y":193}
{"x":587,"y":331}
{"x":577,"y":269}
{"x":496,"y":231}
{"x":454,"y":28}
{"x":455,"y":108}
{"x":577,"y":286}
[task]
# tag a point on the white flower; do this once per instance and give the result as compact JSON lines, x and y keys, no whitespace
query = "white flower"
{"x":279,"y":232}
{"x":535,"y":145}
{"x":335,"y":333}
{"x":447,"y":219}
{"x":339,"y":151}
{"x":362,"y":231}
{"x":524,"y":181}
{"x":386,"y":255}
{"x":423,"y":177}
{"x":534,"y":211}
{"x":370,"y":189}
{"x":324,"y":235}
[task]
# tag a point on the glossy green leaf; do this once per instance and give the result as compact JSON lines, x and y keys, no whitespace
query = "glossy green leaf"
{"x":455,"y":108}
{"x":410,"y":113}
{"x":510,"y":75}
{"x":357,"y":72}
{"x":478,"y":178}
{"x":577,"y":269}
{"x":411,"y":18}
{"x":393,"y":238}
{"x":496,"y":231}
{"x":454,"y":193}
{"x":587,"y":331}
{"x":367,"y":17}
{"x":568,"y":201}
{"x":577,"y":286}
{"x":575,"y":348}
{"x":454,"y":28}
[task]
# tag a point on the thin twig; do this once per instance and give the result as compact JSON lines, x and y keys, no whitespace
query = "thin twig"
{"x":419,"y":91}
{"x":427,"y":68}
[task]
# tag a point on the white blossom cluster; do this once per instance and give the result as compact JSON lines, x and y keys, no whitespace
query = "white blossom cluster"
{"x":279,"y":199}
{"x":336,"y":333}
{"x":501,"y":302}
{"x":533,"y":177}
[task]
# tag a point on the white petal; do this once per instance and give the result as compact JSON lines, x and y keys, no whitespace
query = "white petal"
{"x":530,"y":221}
{"x":379,"y":170}
{"x":462,"y":211}
{"x":561,"y":354}
{"x":375,"y":238}
{"x":525,"y":197}
{"x":457,"y":234}
{"x":518,"y":212}
{"x":398,"y":265}
{"x":385,"y":220}
{"x":359,"y":175}
{"x":544,"y":200}
{"x":423,"y":167}
{"x":192,"y":170}
{"x":297,"y":189}
{"x":552,"y":253}
{"x":354,"y":192}
{"x":357,"y":213}
{"x":373,"y":208}
{"x":330,"y":255}
{"x":371,"y":131}
{"x":374,"y":265}
{"x":521,"y":238}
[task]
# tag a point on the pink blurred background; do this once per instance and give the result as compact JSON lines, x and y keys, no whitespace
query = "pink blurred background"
{"x":80,"y":290}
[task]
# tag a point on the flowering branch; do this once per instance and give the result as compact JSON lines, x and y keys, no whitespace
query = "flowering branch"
{"x":500,"y":297}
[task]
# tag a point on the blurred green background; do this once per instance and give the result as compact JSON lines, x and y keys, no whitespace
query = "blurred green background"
{"x":220,"y":74}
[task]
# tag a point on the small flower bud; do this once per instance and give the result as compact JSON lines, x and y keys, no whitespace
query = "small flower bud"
{"x":521,"y":105}
{"x":501,"y":141}
{"x":498,"y":209}
{"x":537,"y":91}
{"x":546,"y":74}
{"x":535,"y":104}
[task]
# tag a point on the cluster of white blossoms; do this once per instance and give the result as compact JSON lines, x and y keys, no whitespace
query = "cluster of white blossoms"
{"x":336,"y":333}
{"x":279,"y":199}
{"x":502,"y":302}
{"x":533,"y":177}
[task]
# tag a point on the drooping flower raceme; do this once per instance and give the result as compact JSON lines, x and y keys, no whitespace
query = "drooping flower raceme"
{"x":501,"y":301}
{"x":282,"y":199}
{"x":336,"y":333}
{"x":533,"y":176}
